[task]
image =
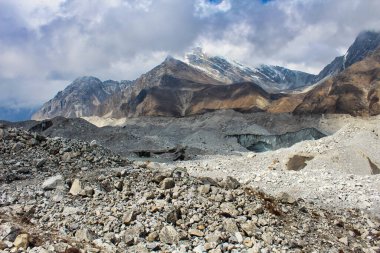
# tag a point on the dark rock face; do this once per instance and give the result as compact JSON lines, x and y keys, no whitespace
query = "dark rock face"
{"x":80,"y":98}
{"x":262,"y":143}
{"x":365,"y":44}
{"x":355,"y":91}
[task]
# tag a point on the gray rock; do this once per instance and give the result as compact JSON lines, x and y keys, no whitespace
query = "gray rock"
{"x":167,"y":183}
{"x":8,"y":232}
{"x":53,"y":183}
{"x":129,"y":216}
{"x":119,"y":185}
{"x":229,"y":209}
{"x":93,"y":143}
{"x":230,"y":226}
{"x":169,"y":235}
{"x":3,"y":133}
{"x":133,"y":233}
{"x":40,"y":162}
{"x":229,"y":183}
{"x":84,"y":235}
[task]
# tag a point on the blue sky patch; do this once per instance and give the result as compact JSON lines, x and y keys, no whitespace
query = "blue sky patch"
{"x":215,"y":1}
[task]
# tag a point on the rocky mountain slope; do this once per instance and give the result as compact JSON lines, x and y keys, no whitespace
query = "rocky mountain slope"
{"x":354,"y":91}
{"x":270,"y":78}
{"x":81,"y":98}
{"x":364,"y":45}
{"x":60,"y":195}
{"x":205,"y":83}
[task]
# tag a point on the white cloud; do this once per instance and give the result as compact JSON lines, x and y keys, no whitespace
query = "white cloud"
{"x":205,"y":8}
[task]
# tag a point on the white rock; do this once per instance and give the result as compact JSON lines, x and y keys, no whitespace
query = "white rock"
{"x":76,"y":187}
{"x":53,"y":183}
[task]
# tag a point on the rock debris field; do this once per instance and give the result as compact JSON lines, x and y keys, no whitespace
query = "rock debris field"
{"x":61,"y":195}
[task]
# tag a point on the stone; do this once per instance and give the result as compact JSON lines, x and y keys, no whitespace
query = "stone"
{"x":93,"y":143}
{"x":8,"y":232}
{"x":213,"y":237}
{"x":84,"y":235}
{"x":247,"y":242}
{"x":53,"y":183}
{"x":129,"y":216}
{"x":153,"y":236}
{"x":133,"y":233}
{"x":230,"y":183}
{"x":169,"y":235}
{"x":239,"y":237}
{"x":230,"y":226}
{"x":40,"y":162}
{"x":286,"y":198}
{"x":3,"y":245}
{"x":204,"y":189}
{"x":89,"y":191}
{"x":199,"y":249}
{"x":22,"y":241}
{"x":18,"y":146}
{"x":3,"y":133}
{"x":76,"y":187}
{"x":228,"y":209}
{"x":69,"y":210}
{"x":344,"y":240}
{"x":249,"y":228}
{"x":196,"y":232}
{"x":267,"y":238}
{"x":173,"y":216}
{"x":167,"y":183}
{"x":119,"y":185}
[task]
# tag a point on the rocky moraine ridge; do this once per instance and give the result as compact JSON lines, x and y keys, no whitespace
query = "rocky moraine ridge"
{"x":61,"y":195}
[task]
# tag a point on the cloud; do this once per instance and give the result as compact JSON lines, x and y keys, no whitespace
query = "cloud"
{"x":205,"y":8}
{"x":46,"y":44}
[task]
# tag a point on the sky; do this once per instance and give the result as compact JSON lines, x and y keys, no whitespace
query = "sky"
{"x":46,"y":44}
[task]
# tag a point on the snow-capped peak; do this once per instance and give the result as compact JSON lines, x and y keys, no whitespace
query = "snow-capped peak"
{"x":271,"y":78}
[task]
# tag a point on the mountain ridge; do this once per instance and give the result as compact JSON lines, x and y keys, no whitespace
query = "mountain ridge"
{"x":176,"y":88}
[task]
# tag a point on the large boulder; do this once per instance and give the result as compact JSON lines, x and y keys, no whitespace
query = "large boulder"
{"x":53,"y":183}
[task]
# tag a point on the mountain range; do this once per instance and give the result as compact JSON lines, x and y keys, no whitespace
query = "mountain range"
{"x":202,"y":83}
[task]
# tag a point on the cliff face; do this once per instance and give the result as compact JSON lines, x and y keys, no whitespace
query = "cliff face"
{"x":81,"y":98}
{"x":364,"y":45}
{"x":355,"y":91}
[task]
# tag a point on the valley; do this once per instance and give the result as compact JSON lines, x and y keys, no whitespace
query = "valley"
{"x":200,"y":155}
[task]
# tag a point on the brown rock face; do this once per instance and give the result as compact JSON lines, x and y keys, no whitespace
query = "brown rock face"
{"x":355,"y":91}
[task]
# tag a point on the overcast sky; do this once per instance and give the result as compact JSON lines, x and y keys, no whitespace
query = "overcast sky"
{"x":45,"y":44}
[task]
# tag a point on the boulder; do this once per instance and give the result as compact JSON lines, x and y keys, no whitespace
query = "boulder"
{"x":169,"y":235}
{"x":167,"y":183}
{"x":129,"y":216}
{"x":8,"y":232}
{"x":228,"y":209}
{"x":84,"y":235}
{"x":53,"y":183}
{"x":229,"y":183}
{"x":196,"y":232}
{"x":22,"y":241}
{"x":76,"y":187}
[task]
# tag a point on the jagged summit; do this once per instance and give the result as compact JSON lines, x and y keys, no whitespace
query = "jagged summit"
{"x":203,"y":82}
{"x":271,"y":78}
{"x":364,"y":45}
